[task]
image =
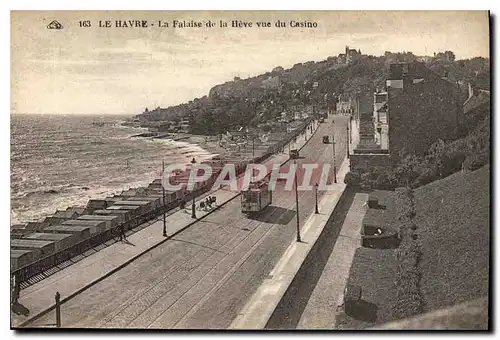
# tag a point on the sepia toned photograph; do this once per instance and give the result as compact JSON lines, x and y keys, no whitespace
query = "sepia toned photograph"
{"x":250,"y":170}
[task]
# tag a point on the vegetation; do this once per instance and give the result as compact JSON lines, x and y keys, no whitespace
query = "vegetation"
{"x":441,"y":160}
{"x":248,"y":102}
{"x":409,"y":299}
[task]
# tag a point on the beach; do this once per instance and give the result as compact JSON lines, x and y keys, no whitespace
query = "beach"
{"x":59,"y":161}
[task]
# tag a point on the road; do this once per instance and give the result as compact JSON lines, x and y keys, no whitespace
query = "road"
{"x":202,"y":277}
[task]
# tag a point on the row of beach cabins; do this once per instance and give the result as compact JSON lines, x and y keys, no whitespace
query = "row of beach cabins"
{"x":39,"y":249}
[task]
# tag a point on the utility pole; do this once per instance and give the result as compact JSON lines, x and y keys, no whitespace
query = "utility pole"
{"x":334,"y":163}
{"x":297,"y":201}
{"x":193,"y":206}
{"x":163,"y":192}
{"x":58,"y":310}
{"x":316,"y":211}
{"x":347,"y":139}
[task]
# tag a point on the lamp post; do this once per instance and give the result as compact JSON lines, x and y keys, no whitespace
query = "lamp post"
{"x":58,"y":310}
{"x":334,"y":164}
{"x":316,"y":211}
{"x":193,"y":206}
{"x":163,"y":193}
{"x":347,"y":139}
{"x":296,"y":198}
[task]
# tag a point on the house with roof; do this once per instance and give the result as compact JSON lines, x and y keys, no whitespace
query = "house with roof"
{"x":416,"y":108}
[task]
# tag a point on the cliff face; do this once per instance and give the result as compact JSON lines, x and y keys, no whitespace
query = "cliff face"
{"x":247,"y":102}
{"x":260,"y":99}
{"x":254,"y":89}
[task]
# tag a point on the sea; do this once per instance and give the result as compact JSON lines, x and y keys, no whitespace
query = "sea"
{"x":59,"y":161}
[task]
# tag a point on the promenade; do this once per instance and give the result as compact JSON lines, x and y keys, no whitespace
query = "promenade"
{"x":328,"y":293}
{"x":96,"y":268}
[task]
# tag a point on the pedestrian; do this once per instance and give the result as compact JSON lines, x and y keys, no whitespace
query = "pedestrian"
{"x":214,"y":201}
{"x":209,"y":203}
{"x":121,"y":231}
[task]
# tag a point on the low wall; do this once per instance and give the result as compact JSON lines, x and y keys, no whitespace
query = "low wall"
{"x":365,"y":162}
{"x":42,"y":263}
{"x":287,"y":313}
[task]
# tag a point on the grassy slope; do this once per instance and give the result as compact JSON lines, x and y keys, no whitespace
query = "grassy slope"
{"x":453,"y":226}
{"x":453,"y":220}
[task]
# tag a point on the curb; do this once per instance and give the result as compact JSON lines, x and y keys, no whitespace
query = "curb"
{"x":126,"y":263}
{"x":123,"y":265}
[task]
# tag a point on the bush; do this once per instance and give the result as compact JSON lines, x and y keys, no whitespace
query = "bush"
{"x":352,"y":178}
{"x":382,"y":178}
{"x":475,"y":161}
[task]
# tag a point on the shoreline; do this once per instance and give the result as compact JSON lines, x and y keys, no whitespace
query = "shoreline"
{"x":76,"y":196}
{"x":202,"y":148}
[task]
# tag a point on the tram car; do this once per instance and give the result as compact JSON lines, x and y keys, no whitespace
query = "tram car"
{"x":256,"y":198}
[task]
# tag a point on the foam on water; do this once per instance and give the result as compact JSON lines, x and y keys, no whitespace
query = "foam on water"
{"x":63,"y":161}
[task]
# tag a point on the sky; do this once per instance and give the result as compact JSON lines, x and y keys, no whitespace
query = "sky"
{"x":117,"y":70}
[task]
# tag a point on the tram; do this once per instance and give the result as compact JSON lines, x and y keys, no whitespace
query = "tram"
{"x":256,"y":198}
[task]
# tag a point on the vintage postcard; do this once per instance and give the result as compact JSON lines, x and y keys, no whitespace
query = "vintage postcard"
{"x":250,"y":170}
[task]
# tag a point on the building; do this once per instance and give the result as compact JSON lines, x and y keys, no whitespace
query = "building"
{"x":381,"y":126}
{"x":345,"y":105}
{"x":184,"y":126}
{"x":352,"y":55}
{"x":416,"y":108}
{"x":271,"y":83}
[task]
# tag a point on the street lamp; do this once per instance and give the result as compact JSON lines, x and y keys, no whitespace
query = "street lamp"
{"x":296,"y":197}
{"x":334,"y":165}
{"x":316,"y":211}
{"x":164,"y":211}
{"x":193,"y":206}
{"x":347,"y":139}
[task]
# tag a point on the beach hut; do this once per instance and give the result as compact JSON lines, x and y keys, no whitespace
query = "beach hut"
{"x":20,"y":258}
{"x":110,"y":220}
{"x":59,"y":217}
{"x":61,"y":241}
{"x":40,"y":248}
{"x":95,"y":226}
{"x":82,"y":232}
{"x":142,"y":207}
{"x":121,"y":215}
{"x":131,"y":211}
{"x":96,"y":205}
{"x":155,"y":200}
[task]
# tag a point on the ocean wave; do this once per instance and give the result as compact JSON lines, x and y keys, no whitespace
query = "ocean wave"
{"x":62,"y":175}
{"x":43,"y":190}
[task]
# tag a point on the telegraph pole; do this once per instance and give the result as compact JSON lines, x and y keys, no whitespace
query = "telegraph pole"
{"x":334,"y":164}
{"x":316,"y":211}
{"x":297,"y":201}
{"x":193,"y":206}
{"x":58,"y":310}
{"x":347,"y":139}
{"x":163,"y":194}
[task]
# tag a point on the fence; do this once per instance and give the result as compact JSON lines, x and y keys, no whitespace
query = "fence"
{"x":46,"y":263}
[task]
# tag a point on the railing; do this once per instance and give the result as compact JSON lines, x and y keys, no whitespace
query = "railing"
{"x":41,"y":265}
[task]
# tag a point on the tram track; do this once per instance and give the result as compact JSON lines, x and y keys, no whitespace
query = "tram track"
{"x":207,"y":281}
